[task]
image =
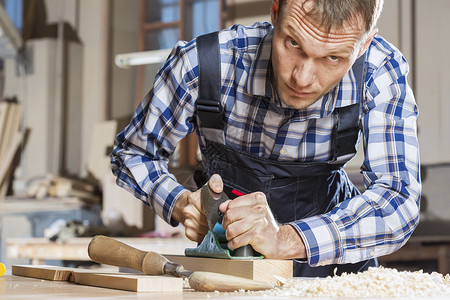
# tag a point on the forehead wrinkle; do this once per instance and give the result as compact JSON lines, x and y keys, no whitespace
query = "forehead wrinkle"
{"x":343,"y":49}
{"x":297,"y":15}
{"x":332,"y":39}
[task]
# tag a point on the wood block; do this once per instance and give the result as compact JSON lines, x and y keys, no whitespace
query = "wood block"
{"x":113,"y":280}
{"x":43,"y":272}
{"x":130,"y":282}
{"x":264,"y":270}
{"x":4,"y":106}
{"x":13,"y":118}
{"x":6,"y":110}
{"x":6,"y":160}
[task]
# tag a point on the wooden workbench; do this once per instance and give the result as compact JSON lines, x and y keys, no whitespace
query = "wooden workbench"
{"x":419,"y":250}
{"x":16,"y":287}
{"x":38,"y":250}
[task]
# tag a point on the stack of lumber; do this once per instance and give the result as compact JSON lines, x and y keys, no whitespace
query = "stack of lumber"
{"x":11,"y":138}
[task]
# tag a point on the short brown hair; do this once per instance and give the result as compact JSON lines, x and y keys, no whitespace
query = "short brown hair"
{"x":334,"y":13}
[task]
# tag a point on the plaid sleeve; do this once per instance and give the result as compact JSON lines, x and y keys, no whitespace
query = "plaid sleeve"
{"x":381,"y":220}
{"x":165,"y":116}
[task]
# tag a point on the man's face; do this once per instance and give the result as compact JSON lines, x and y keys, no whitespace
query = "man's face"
{"x":307,"y":62}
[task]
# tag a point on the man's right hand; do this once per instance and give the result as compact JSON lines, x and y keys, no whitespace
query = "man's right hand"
{"x":189,"y":211}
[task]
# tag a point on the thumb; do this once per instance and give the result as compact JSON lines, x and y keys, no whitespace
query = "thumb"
{"x":215,"y":183}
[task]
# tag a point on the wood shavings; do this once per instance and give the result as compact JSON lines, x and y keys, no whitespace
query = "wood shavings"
{"x":280,"y":280}
{"x":375,"y":282}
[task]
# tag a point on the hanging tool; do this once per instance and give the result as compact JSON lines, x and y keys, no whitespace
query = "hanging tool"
{"x":214,"y":244}
{"x":109,"y":251}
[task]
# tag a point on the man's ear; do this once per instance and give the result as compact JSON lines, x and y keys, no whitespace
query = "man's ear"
{"x":274,"y":11}
{"x":368,"y":40}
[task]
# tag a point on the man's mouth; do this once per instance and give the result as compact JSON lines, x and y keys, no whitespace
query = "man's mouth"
{"x":299,"y":93}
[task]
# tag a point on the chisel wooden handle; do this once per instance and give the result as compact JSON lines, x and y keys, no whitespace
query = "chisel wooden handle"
{"x":210,"y":282}
{"x":109,"y":251}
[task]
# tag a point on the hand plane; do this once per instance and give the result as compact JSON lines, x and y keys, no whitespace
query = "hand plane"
{"x":214,"y":243}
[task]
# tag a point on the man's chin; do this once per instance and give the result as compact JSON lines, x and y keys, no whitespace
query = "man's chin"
{"x":299,"y":103}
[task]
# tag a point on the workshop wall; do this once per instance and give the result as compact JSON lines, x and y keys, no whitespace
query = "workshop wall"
{"x":105,"y":28}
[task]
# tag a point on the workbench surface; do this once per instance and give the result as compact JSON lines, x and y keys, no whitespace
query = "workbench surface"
{"x":17,"y":287}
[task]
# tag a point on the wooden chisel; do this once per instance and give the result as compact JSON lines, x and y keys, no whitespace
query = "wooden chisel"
{"x":109,"y":251}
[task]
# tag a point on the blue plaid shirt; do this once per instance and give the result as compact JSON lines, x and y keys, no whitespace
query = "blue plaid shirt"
{"x":373,"y":224}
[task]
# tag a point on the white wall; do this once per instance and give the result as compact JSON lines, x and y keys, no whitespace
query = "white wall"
{"x":90,"y":20}
{"x":125,"y":39}
{"x":105,"y":28}
{"x":107,"y":91}
{"x":433,"y":79}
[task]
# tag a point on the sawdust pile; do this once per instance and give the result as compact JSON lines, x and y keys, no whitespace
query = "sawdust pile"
{"x":375,"y":282}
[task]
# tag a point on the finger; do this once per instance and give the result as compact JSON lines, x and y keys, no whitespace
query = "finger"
{"x":257,"y":198}
{"x":239,"y":241}
{"x":238,"y":228}
{"x":249,"y":212}
{"x":194,"y":209}
{"x":253,"y":233}
{"x":194,"y":231}
{"x":244,"y":238}
{"x":223,"y":207}
{"x":195,"y":200}
{"x":192,"y":213}
{"x":215,"y":183}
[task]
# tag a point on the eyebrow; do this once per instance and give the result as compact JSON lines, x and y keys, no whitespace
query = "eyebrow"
{"x":341,"y":52}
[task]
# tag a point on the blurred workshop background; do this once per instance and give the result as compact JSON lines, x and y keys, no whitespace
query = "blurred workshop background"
{"x":72,"y":73}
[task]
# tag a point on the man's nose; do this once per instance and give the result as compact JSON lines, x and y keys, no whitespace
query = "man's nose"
{"x":304,"y":73}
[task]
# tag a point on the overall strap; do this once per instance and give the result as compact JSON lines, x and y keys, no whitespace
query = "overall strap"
{"x":209,"y":108}
{"x":347,"y":128}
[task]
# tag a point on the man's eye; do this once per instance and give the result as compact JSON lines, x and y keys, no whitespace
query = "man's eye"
{"x":333,"y":58}
{"x":293,"y":43}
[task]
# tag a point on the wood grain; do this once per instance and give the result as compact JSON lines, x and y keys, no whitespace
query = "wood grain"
{"x":9,"y":136}
{"x":4,"y":106}
{"x":264,"y":270}
{"x":7,"y":158}
{"x":130,"y":282}
{"x":53,"y":273}
{"x":112,"y":280}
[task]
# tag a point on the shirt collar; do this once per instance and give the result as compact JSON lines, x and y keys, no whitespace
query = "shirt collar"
{"x":258,"y":84}
{"x":258,"y":81}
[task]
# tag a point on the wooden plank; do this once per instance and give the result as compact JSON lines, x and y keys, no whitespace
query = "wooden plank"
{"x":9,"y":136}
{"x":4,"y":106}
{"x":264,"y":270}
{"x":130,"y":282}
{"x":112,"y":280}
{"x":53,"y":273}
{"x":9,"y":127}
{"x":7,"y":158}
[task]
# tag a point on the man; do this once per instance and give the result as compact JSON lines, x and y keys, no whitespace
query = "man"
{"x":292,"y":100}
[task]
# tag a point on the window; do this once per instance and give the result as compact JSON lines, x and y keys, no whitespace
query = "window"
{"x":164,"y":22}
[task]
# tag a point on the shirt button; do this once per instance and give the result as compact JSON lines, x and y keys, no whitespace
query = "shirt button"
{"x":283,"y":151}
{"x":372,"y":253}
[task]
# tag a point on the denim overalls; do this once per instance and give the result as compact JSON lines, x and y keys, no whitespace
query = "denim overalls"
{"x":294,"y":190}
